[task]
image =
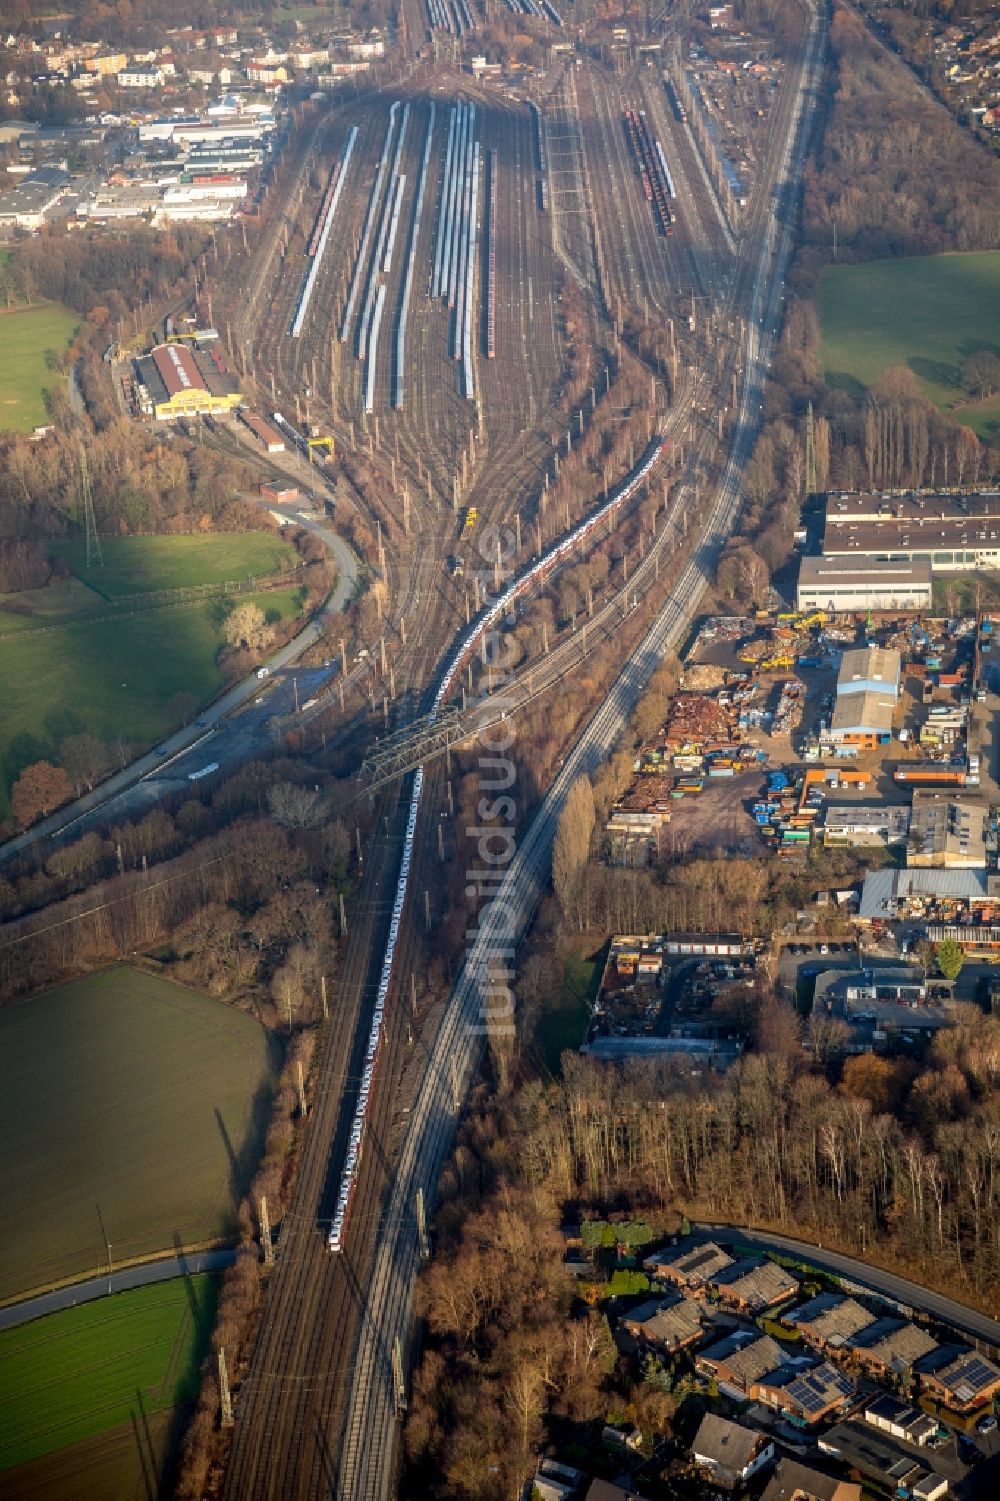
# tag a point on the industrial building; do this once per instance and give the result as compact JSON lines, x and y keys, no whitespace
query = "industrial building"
{"x":867,"y":692}
{"x":866,"y":826}
{"x":862,"y":584}
{"x":889,"y":894}
{"x":182,"y":382}
{"x":954,"y":532}
{"x":947,"y":831}
{"x":27,"y":205}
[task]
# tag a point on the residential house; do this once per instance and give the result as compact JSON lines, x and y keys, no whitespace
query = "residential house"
{"x":604,"y":1490}
{"x":666,"y":1325}
{"x":792,"y":1481}
{"x":739,"y":1360}
{"x":889,"y":1347}
{"x":827,"y":1321}
{"x":691,"y":1268}
{"x":806,"y":1397}
{"x":750,"y":1287}
{"x":958,"y":1378}
{"x":730,"y":1452}
{"x":555,"y":1482}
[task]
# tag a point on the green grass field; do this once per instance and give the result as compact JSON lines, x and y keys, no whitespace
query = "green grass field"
{"x":84,"y":1371}
{"x":562,"y":1021}
{"x":117,"y":676}
{"x":130,"y":1112}
{"x":926,"y":312}
{"x":25,"y":335}
{"x":138,"y":565}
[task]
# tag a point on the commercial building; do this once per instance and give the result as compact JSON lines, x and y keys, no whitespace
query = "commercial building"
{"x":953,"y":532}
{"x":852,"y":826}
{"x":889,"y":894}
{"x":27,"y":205}
{"x":862,"y":584}
{"x":947,"y":831}
{"x":870,"y":669}
{"x":182,"y":382}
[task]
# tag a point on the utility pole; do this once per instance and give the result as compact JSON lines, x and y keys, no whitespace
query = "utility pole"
{"x":94,"y":555}
{"x":322,"y":978}
{"x":224,"y":1394}
{"x":300,"y":1086}
{"x":399,"y":1386}
{"x":265,"y":1233}
{"x":810,"y":453}
{"x":425,"y":1249}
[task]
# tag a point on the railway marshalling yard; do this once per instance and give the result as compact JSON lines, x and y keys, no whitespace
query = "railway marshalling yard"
{"x":596,"y":328}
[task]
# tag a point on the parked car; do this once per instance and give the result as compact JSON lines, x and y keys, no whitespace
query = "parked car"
{"x":987,"y":1423}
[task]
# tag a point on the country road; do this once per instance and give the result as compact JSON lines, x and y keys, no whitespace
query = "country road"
{"x":163,"y":1270}
{"x":226,"y":731}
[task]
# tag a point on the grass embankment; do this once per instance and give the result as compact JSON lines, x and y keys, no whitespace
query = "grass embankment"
{"x":81,"y":1372}
{"x":112,"y":674}
{"x":140,"y":565}
{"x":926,"y":312}
{"x":26,"y":334}
{"x":131,"y":1113}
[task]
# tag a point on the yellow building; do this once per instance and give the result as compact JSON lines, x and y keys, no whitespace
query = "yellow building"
{"x":183,"y":382}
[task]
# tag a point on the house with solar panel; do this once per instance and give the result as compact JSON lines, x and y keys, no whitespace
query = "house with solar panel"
{"x":690,"y":1267}
{"x":807,"y":1396}
{"x":958,"y":1378}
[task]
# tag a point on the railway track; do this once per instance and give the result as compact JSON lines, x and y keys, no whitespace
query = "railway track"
{"x":368,"y":1464}
{"x":320,"y":1309}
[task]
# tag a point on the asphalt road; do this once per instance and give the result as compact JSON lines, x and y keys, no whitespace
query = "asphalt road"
{"x":118,"y":1282}
{"x":229,"y":730}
